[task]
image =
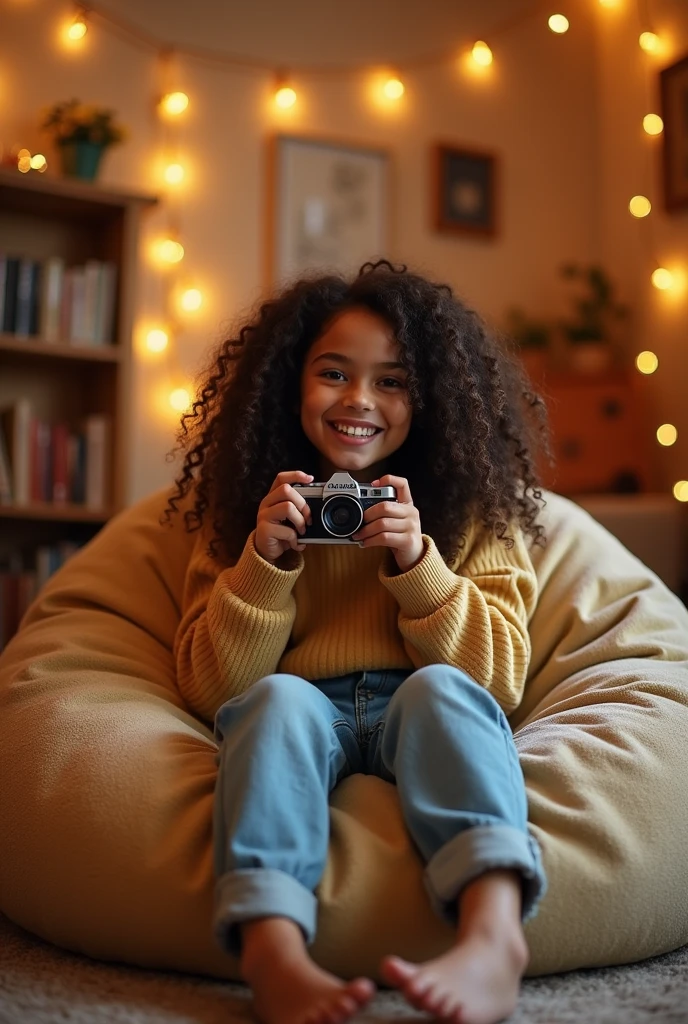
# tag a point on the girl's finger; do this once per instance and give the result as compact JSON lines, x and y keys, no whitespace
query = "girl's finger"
{"x":285,"y":512}
{"x":399,"y":483}
{"x":291,"y":476}
{"x":285,"y":494}
{"x":396,"y":527}
{"x":391,"y":509}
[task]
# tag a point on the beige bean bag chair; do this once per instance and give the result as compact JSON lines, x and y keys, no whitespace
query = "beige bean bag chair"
{"x":106,"y":780}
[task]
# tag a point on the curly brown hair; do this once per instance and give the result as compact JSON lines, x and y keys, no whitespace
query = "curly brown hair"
{"x":475,"y":434}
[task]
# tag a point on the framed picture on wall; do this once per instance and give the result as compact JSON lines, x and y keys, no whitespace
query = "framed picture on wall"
{"x":674,"y":92}
{"x":329,"y":206}
{"x":464,"y":191}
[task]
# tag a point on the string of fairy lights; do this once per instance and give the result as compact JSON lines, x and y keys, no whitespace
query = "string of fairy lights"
{"x":184,"y":298}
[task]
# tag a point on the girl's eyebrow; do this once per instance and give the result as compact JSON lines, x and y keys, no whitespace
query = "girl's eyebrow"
{"x":336,"y":357}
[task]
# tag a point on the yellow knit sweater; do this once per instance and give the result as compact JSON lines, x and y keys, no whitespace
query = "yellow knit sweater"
{"x":341,"y":608}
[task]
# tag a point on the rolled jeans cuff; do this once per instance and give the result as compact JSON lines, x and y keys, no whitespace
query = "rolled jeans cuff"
{"x":480,"y":849}
{"x":248,"y":894}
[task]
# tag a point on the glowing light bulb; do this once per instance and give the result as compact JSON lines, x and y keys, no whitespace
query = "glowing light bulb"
{"x":558,"y":23}
{"x":285,"y":97}
{"x":640,"y":206}
{"x":24,"y":162}
{"x":191,"y":300}
{"x":157,"y":340}
{"x":482,"y":54}
{"x":174,"y":103}
{"x":170,"y":251}
{"x":174,"y":174}
{"x":394,"y":89}
{"x":78,"y":28}
{"x":647,"y":362}
{"x":38,"y":162}
{"x":649,"y":42}
{"x":681,"y":490}
{"x":662,"y":279}
{"x":180,"y":399}
{"x":653,"y":124}
{"x":667,"y":434}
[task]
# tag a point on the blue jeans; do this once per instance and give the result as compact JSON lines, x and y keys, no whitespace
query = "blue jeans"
{"x":285,"y":744}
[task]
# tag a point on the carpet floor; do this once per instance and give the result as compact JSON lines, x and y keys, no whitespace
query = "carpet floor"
{"x":40,"y":984}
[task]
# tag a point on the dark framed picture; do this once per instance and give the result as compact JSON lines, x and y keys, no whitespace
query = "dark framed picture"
{"x":674,"y":91}
{"x":464,"y":191}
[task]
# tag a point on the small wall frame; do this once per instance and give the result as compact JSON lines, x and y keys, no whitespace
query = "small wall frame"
{"x":464,"y":191}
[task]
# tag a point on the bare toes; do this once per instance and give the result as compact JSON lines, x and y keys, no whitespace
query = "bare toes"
{"x":361,"y":989}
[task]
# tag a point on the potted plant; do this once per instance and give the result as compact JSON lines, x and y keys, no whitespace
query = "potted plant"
{"x":533,"y":339}
{"x":591,"y":332}
{"x":82,"y":132}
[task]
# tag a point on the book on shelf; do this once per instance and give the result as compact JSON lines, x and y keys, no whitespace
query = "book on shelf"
{"x":51,"y":463}
{"x":15,"y":423}
{"x":21,"y":578}
{"x":9,"y":293}
{"x":51,"y":302}
{"x":97,"y":434}
{"x":52,"y":282}
{"x":5,"y":471}
{"x":27,"y":302}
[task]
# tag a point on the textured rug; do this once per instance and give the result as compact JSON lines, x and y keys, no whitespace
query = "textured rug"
{"x":42,"y":984}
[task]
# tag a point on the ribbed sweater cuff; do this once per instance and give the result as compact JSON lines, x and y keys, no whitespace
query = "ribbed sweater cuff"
{"x":425,"y":588}
{"x":259,"y":583}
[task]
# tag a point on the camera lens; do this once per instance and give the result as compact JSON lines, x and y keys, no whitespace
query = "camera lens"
{"x":342,"y":515}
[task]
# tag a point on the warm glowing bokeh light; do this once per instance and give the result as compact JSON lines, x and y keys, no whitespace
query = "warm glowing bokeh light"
{"x":681,"y":490}
{"x":640,"y":206}
{"x":482,"y":54}
{"x":174,"y":103}
{"x":77,"y":30}
{"x":157,"y":340}
{"x":393,"y":89}
{"x":662,"y":279}
{"x":667,"y":434}
{"x":180,"y":399}
{"x":174,"y":174}
{"x":649,"y":42}
{"x":646,"y":362}
{"x":169,"y":251}
{"x":38,"y":162}
{"x":558,"y":23}
{"x":653,"y":124}
{"x":191,"y":300}
{"x":285,"y":97}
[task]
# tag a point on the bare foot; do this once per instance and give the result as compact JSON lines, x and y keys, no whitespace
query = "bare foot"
{"x":291,"y":989}
{"x":476,"y":982}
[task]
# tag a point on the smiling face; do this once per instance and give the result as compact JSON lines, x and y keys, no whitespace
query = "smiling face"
{"x":354,"y":399}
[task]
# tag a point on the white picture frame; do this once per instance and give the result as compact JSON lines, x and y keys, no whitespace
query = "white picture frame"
{"x":329,"y":207}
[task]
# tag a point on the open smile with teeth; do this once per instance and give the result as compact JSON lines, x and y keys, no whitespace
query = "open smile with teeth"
{"x":342,"y":428}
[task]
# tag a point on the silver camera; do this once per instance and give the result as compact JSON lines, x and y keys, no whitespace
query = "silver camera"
{"x":337,"y":507}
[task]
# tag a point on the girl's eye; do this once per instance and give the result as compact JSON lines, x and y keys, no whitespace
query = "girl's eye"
{"x":392,"y":382}
{"x":333,"y":375}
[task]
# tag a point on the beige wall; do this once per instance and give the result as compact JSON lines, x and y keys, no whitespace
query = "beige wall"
{"x":561,"y":120}
{"x":631,"y":164}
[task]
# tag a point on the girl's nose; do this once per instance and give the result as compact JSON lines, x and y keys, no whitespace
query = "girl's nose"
{"x":359,"y":397}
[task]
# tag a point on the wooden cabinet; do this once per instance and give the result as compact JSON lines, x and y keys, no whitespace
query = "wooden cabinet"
{"x":62,"y":380}
{"x":601,"y":435}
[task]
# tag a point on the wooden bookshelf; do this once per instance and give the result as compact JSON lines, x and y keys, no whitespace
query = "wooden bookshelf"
{"x":42,"y":217}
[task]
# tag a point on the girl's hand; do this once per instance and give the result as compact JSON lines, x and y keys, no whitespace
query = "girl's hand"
{"x":281,"y":508}
{"x":394,"y":524}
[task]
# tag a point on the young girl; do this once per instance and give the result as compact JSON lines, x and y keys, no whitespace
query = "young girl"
{"x":397,"y":656}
